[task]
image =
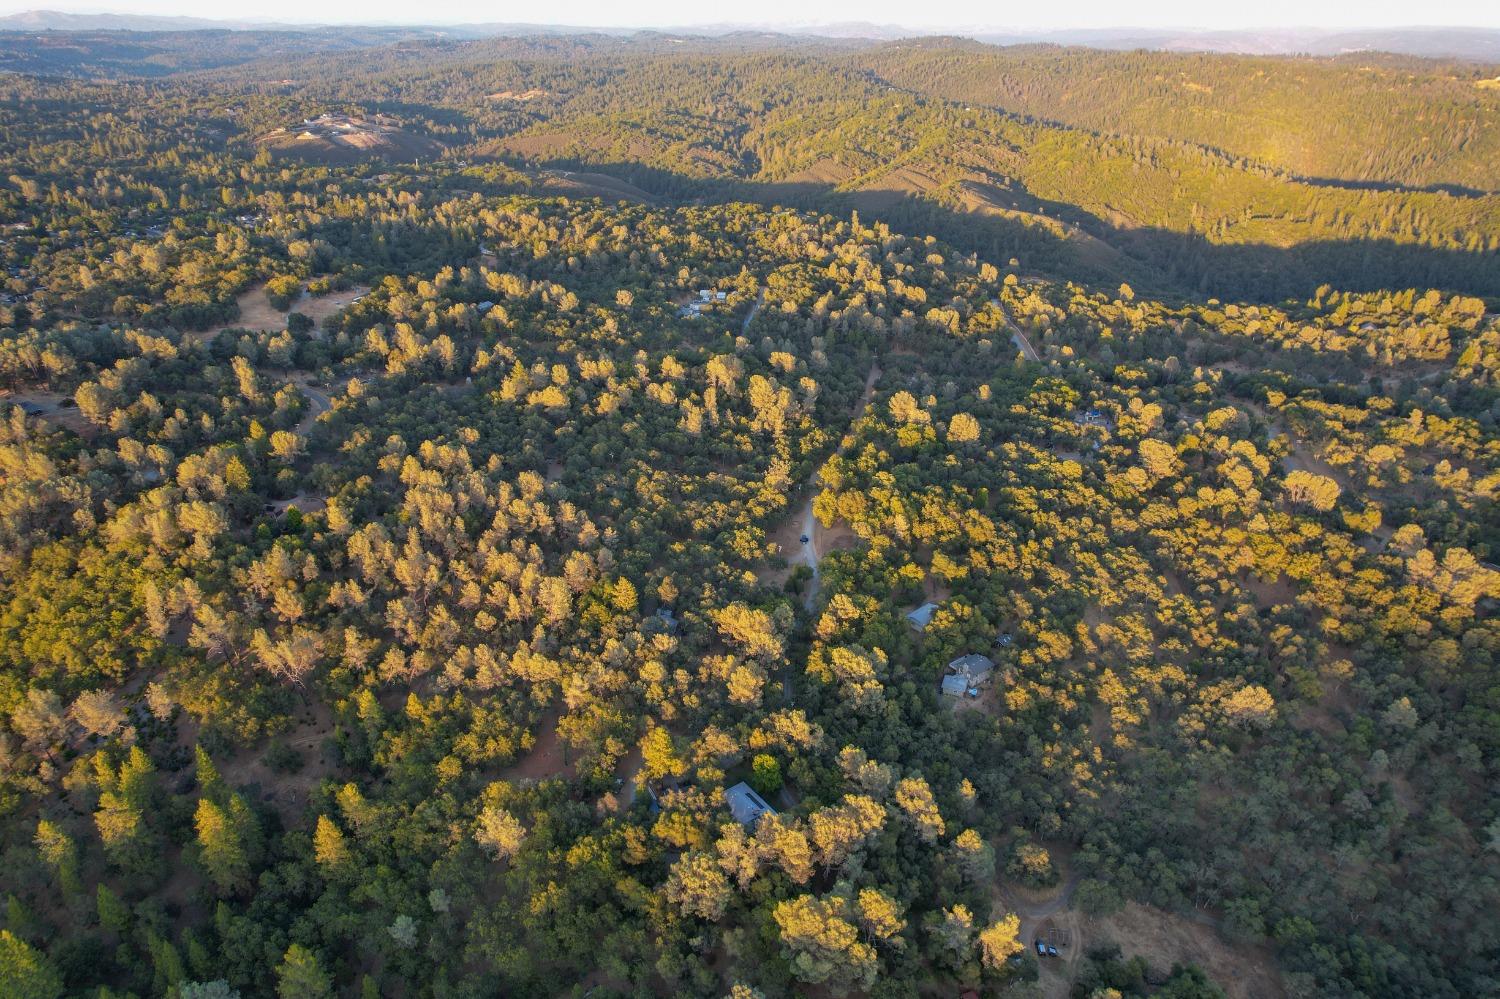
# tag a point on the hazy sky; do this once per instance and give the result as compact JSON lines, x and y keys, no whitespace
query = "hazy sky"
{"x":972,"y":14}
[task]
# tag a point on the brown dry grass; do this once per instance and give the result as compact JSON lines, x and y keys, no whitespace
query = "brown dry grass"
{"x":258,"y":315}
{"x":1165,"y":939}
{"x":595,"y":185}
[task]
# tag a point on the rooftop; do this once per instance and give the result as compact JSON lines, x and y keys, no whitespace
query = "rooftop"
{"x":745,"y":805}
{"x":972,"y":665}
{"x":922,"y":616}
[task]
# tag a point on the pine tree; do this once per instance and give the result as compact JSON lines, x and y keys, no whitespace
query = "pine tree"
{"x":25,"y":972}
{"x":221,"y":847}
{"x":330,"y":847}
{"x":300,"y":976}
{"x":60,"y":852}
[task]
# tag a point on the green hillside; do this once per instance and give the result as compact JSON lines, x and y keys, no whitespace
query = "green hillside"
{"x":1367,"y":118}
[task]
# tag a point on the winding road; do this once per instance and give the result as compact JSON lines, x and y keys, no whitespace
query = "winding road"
{"x":318,"y":403}
{"x":809,"y":554}
{"x":1016,"y":336}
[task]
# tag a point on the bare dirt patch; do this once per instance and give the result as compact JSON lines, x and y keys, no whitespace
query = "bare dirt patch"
{"x":259,"y":316}
{"x":49,"y":406}
{"x":304,"y":502}
{"x":323,"y":306}
{"x":785,"y":541}
{"x":989,"y":702}
{"x":340,"y":138}
{"x":548,"y":758}
{"x":838,"y":538}
{"x":626,"y":773}
{"x":288,"y":792}
{"x":256,"y":313}
{"x":1162,"y":938}
{"x":517,"y":95}
{"x":1279,"y":591}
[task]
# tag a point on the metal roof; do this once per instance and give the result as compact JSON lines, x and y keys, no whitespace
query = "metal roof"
{"x":745,"y":805}
{"x":922,"y":616}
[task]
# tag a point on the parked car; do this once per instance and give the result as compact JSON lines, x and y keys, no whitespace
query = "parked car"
{"x":1041,"y":949}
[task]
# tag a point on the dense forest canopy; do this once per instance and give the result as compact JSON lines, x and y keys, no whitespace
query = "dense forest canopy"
{"x":1366,"y":118}
{"x":584,"y":516}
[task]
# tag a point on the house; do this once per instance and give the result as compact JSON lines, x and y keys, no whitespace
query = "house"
{"x":922,"y":616}
{"x":974,"y":667}
{"x":1093,"y":418}
{"x":663,"y":621}
{"x":955,"y":685}
{"x":745,"y":805}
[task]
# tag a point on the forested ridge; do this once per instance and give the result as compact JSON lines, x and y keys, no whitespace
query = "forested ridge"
{"x":928,"y":136}
{"x":399,"y":560}
{"x":1363,"y":118}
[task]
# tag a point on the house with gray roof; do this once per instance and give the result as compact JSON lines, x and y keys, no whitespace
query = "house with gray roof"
{"x":746,"y":805}
{"x":955,"y":685}
{"x":973,"y":666}
{"x":922,"y":616}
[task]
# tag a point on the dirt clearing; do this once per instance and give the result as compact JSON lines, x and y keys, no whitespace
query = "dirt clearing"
{"x":49,"y":406}
{"x":258,"y":315}
{"x":1164,"y":939}
{"x":548,"y":758}
{"x":285,"y":790}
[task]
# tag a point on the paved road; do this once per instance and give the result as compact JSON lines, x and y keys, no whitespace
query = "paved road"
{"x":750,"y":316}
{"x":1017,"y":337}
{"x":318,"y":403}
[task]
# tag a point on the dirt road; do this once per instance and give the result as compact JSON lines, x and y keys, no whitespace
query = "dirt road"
{"x":809,"y":553}
{"x":810,"y":546}
{"x":1033,"y":912}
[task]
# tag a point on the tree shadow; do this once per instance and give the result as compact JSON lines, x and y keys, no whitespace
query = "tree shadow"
{"x":1158,"y":261}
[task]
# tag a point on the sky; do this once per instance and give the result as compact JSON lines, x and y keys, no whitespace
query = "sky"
{"x":928,"y":14}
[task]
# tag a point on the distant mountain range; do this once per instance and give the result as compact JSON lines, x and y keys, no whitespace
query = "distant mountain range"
{"x":1476,"y":44}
